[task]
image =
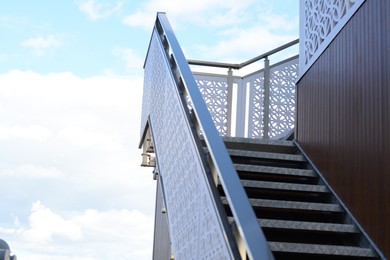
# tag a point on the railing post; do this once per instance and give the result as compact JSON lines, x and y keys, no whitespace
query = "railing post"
{"x":229,"y":102}
{"x":241,"y":108}
{"x":266,"y":98}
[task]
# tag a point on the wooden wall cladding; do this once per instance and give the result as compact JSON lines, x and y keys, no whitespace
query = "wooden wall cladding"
{"x":343,"y":117}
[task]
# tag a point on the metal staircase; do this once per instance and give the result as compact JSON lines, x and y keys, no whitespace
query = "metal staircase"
{"x":231,"y":197}
{"x":299,"y":214}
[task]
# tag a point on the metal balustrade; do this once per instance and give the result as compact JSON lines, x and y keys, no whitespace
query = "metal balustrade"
{"x":264,"y":100}
{"x":198,"y":226}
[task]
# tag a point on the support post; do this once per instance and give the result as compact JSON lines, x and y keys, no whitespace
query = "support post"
{"x":241,"y":109}
{"x":266,"y":98}
{"x":229,"y":102}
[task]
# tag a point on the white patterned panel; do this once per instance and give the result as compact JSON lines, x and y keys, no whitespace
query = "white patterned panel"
{"x":256,"y":105}
{"x":214,"y":90}
{"x":321,"y":20}
{"x":193,"y":223}
{"x":282,"y":98}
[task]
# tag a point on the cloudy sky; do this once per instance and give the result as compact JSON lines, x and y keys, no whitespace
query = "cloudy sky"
{"x":70,"y":99}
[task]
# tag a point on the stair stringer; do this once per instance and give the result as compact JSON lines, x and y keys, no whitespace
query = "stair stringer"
{"x":366,"y":240}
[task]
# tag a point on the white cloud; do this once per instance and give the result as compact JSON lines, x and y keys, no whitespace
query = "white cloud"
{"x":44,"y":224}
{"x":35,"y":132}
{"x":202,"y":11}
{"x":132,"y":60}
{"x":99,"y":9}
{"x":80,"y":137}
{"x":224,"y":30}
{"x":12,"y":22}
{"x":41,"y":44}
{"x":88,"y":234}
{"x":72,"y":143}
{"x":140,"y":18}
{"x":248,"y":42}
{"x":27,"y":170}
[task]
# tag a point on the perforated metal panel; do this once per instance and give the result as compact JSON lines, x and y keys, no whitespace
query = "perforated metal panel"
{"x":320,"y":23}
{"x":194,"y":228}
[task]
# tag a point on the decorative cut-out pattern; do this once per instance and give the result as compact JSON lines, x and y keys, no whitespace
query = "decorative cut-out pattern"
{"x":282,"y":99}
{"x":256,"y":105}
{"x":194,"y":227}
{"x":321,"y":21}
{"x":214,"y":91}
{"x":281,"y":117}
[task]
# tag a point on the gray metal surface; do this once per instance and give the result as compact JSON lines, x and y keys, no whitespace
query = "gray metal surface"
{"x":275,"y":170}
{"x":266,"y":155}
{"x":307,"y":226}
{"x":292,"y":205}
{"x":295,"y":205}
{"x":162,"y":242}
{"x":194,"y":223}
{"x":192,"y":216}
{"x":284,"y":186}
{"x":321,"y":249}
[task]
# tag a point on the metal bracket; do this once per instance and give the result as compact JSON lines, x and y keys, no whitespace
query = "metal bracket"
{"x":148,"y":157}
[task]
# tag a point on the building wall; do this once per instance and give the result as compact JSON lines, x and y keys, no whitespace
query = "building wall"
{"x":343,"y":117}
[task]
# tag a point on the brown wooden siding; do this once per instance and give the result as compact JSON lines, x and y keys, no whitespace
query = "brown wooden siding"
{"x":343,"y":117}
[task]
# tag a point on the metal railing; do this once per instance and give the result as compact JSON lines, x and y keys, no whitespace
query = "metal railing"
{"x":197,"y":224}
{"x":260,"y":104}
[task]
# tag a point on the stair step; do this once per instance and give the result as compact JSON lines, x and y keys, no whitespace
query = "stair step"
{"x":267,"y":155}
{"x":307,"y":226}
{"x":295,"y":205}
{"x":275,"y":170}
{"x":284,"y":186}
{"x":321,"y":249}
{"x":279,"y":146}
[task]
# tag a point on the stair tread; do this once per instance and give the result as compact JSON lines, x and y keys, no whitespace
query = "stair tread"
{"x":275,"y":170}
{"x":283,"y":204}
{"x":267,"y":155}
{"x":284,"y":186}
{"x":305,"y":225}
{"x":321,"y":249}
{"x":258,"y":141}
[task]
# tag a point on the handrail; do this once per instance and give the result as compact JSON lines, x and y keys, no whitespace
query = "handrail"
{"x":245,"y":219}
{"x":243,"y":64}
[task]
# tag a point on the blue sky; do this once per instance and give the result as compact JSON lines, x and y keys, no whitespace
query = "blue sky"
{"x":70,"y":105}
